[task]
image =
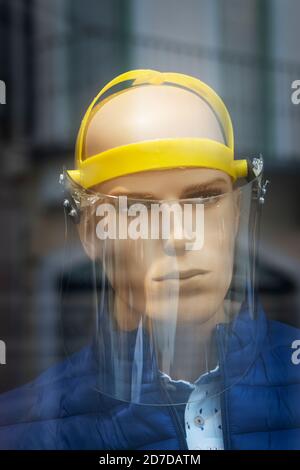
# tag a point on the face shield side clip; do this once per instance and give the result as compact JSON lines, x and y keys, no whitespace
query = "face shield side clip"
{"x":71,"y":206}
{"x":255,"y":170}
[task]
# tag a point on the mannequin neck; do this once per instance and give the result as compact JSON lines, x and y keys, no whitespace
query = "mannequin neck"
{"x":185,"y":350}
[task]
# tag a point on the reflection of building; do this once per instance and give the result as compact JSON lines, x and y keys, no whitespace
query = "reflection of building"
{"x":58,"y":54}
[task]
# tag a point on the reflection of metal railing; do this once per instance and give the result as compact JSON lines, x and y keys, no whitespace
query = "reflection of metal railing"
{"x":256,"y":90}
{"x":59,"y":63}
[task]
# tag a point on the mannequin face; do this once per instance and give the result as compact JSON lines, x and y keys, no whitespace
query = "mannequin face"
{"x":159,"y":277}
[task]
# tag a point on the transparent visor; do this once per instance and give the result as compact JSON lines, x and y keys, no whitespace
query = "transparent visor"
{"x":162,"y":291}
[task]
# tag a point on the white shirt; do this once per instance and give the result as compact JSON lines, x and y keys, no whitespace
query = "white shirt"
{"x":202,"y":418}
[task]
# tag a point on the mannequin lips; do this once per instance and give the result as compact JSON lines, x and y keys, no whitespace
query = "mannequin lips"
{"x":180,"y":275}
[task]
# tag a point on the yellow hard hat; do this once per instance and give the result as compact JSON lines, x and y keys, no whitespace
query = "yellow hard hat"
{"x":159,"y":153}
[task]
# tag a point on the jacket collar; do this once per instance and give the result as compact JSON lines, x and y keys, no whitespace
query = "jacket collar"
{"x":241,"y":341}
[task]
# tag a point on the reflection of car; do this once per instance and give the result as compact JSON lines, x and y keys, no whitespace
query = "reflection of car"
{"x":276,"y":291}
{"x":63,"y":409}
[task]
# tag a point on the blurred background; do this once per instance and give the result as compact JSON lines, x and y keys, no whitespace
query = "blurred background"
{"x":55,"y":55}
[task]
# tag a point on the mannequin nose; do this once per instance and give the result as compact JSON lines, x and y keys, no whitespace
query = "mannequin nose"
{"x":176,"y":243}
{"x":175,"y":246}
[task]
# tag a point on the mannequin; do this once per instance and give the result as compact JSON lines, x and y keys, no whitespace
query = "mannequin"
{"x":165,"y":112}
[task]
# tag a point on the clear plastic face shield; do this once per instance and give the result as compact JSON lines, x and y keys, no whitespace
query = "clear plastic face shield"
{"x":170,"y":252}
{"x":165,"y":275}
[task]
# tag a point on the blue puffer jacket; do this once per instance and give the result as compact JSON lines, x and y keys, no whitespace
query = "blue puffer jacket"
{"x":261,"y":410}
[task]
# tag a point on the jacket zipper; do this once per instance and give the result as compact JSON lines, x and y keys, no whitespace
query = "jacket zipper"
{"x":176,"y":421}
{"x":178,"y":428}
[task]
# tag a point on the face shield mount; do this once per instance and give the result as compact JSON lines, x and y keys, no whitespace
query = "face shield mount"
{"x":151,"y":316}
{"x":71,"y":199}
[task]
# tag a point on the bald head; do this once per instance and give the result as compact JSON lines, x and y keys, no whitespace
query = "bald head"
{"x":150,"y":112}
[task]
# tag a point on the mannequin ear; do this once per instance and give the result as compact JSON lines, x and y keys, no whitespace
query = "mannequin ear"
{"x":237,"y":210}
{"x":87,"y":233}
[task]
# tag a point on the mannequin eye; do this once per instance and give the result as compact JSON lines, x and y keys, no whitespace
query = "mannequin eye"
{"x":204,"y":194}
{"x":145,"y":202}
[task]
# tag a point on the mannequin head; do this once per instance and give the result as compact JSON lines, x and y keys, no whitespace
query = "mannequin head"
{"x":200,"y":279}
